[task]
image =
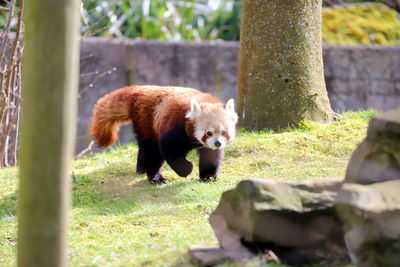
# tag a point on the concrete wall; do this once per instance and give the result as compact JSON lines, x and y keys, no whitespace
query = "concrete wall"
{"x":360,"y":77}
{"x":356,"y":77}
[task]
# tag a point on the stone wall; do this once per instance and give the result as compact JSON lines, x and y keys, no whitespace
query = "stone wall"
{"x":356,"y":77}
{"x":362,"y":77}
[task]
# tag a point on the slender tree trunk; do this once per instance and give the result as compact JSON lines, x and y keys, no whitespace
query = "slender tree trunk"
{"x":50,"y":82}
{"x":281,"y":78}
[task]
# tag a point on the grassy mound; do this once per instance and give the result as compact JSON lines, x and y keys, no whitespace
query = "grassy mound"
{"x":119,"y":219}
{"x":361,"y":24}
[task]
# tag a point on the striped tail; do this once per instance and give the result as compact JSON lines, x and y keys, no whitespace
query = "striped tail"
{"x":109,"y":113}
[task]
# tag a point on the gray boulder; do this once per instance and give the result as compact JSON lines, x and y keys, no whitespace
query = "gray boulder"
{"x":299,"y":223}
{"x":377,"y":158}
{"x":369,"y":202}
{"x":372,"y":222}
{"x":296,"y":221}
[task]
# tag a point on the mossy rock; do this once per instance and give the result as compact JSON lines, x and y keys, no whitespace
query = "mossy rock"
{"x":297,"y":221}
{"x":372,"y":24}
{"x":371,"y":214}
{"x":377,"y":158}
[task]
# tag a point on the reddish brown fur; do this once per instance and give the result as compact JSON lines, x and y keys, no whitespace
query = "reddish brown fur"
{"x":152,"y":109}
{"x":228,"y":137}
{"x":204,"y":138}
{"x":108,"y":114}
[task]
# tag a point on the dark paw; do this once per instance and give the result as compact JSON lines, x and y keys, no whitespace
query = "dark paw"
{"x":182,"y":167}
{"x":158,"y":179}
{"x":208,"y":178}
{"x":140,"y":171}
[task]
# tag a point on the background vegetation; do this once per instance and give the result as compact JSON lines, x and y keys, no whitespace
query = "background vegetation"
{"x":163,"y":19}
{"x":371,"y":24}
{"x":10,"y":80}
{"x":198,"y":20}
{"x":219,"y":19}
{"x":119,"y":219}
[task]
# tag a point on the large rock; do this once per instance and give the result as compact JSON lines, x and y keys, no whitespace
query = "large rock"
{"x":369,"y":201}
{"x":296,"y":221}
{"x":372,"y":221}
{"x":377,"y":158}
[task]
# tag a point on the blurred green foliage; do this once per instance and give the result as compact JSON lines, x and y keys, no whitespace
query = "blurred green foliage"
{"x":371,"y":24}
{"x":180,"y":20}
{"x":162,"y":19}
{"x":220,"y":19}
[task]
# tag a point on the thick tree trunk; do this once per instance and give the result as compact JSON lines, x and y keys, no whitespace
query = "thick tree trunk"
{"x":281,"y":79}
{"x":50,"y":80}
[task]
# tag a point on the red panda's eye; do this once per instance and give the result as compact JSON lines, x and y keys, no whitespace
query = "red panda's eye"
{"x":223,"y":132}
{"x":209,"y":133}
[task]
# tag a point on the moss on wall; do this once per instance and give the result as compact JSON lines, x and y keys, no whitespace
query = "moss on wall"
{"x":361,"y":24}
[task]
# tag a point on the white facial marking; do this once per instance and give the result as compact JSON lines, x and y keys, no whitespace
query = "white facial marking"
{"x":231,"y":132}
{"x":217,"y":141}
{"x":214,"y":127}
{"x":198,"y":133}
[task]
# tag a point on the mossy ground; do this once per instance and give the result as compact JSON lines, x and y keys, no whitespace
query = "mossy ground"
{"x":119,"y":219}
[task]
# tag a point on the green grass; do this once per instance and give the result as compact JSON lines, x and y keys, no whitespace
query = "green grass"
{"x":118,"y":219}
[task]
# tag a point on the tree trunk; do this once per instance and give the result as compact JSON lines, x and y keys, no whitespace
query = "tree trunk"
{"x":50,"y":82}
{"x":281,"y":78}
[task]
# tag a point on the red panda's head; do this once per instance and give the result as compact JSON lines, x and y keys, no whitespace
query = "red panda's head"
{"x":214,"y":123}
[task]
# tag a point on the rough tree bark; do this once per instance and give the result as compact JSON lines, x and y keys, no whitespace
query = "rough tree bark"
{"x":50,"y":83}
{"x":281,"y":79}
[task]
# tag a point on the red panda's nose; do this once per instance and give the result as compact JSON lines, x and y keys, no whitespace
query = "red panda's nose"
{"x":217,"y":143}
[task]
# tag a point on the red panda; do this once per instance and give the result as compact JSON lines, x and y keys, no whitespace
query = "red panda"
{"x":168,"y":122}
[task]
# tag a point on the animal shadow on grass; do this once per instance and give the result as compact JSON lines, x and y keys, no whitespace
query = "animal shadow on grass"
{"x":107,"y":191}
{"x":116,"y":190}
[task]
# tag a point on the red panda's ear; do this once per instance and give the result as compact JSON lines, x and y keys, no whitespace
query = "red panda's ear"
{"x":195,"y":110}
{"x":230,"y":108}
{"x":230,"y":105}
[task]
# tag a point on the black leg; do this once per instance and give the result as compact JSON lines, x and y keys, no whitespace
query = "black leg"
{"x":140,"y":165}
{"x":180,"y":165}
{"x":140,"y":169}
{"x":174,"y":146}
{"x":209,"y":163}
{"x":151,"y":160}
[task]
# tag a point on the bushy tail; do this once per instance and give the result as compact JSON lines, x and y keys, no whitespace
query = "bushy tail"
{"x":109,"y":113}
